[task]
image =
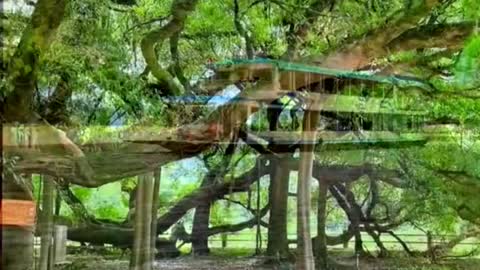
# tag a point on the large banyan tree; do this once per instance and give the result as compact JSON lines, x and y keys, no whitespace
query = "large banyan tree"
{"x":71,"y":69}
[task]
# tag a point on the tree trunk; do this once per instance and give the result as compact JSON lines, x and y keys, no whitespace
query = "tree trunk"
{"x":355,"y":218}
{"x":347,"y":202}
{"x":376,"y":238}
{"x":36,"y":39}
{"x":200,"y":229}
{"x":358,"y":241}
{"x":201,"y":220}
{"x":46,"y":224}
{"x":17,"y":241}
{"x":141,"y":253}
{"x":130,"y":219}
{"x":277,"y":245}
{"x":322,"y":252}
{"x":305,"y":259}
{"x":209,"y":193}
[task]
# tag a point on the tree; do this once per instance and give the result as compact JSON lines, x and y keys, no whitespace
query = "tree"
{"x":90,"y":54}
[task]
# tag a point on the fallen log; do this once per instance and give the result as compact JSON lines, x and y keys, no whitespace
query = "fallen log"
{"x":99,"y":235}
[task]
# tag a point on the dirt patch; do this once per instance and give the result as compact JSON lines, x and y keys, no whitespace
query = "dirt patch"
{"x":258,"y":263}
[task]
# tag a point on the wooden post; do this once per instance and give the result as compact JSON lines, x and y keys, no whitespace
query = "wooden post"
{"x":156,"y":189}
{"x":137,"y":238}
{"x":259,"y":232}
{"x":46,"y":225}
{"x":276,"y":86}
{"x":141,"y":254}
{"x":305,"y":257}
{"x":321,"y":243}
{"x":147,"y":221}
{"x":60,"y":244}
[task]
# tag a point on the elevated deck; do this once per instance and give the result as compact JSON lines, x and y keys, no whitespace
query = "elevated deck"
{"x":328,"y":102}
{"x":325,"y":140}
{"x":332,"y":140}
{"x":294,"y":76}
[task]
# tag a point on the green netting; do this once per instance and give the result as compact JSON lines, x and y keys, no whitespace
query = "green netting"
{"x":400,"y":81}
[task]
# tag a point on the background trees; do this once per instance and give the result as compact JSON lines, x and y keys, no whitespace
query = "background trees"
{"x":103,"y":71}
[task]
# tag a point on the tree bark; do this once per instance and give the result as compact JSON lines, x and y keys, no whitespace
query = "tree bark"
{"x":17,"y":242}
{"x":201,"y":219}
{"x":338,"y":191}
{"x":277,"y":245}
{"x":359,"y":53}
{"x":180,"y":9}
{"x":200,"y":229}
{"x":36,"y":39}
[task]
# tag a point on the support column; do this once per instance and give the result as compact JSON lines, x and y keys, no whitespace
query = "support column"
{"x":141,"y":253}
{"x":305,"y":259}
{"x":46,"y":225}
{"x":322,"y":252}
{"x":277,"y":246}
{"x":156,"y":189}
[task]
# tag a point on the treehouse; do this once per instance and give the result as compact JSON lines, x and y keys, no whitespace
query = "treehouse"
{"x":364,"y":110}
{"x":359,"y":110}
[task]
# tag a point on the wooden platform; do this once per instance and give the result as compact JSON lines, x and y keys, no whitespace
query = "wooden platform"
{"x":324,"y":102}
{"x":159,"y":135}
{"x":294,"y":76}
{"x":332,"y":140}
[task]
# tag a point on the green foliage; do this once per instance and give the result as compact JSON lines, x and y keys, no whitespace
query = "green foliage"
{"x":468,"y":66}
{"x":98,"y":49}
{"x":471,"y":8}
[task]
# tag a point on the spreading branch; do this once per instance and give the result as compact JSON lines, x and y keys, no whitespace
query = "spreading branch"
{"x":180,"y":11}
{"x":360,"y":53}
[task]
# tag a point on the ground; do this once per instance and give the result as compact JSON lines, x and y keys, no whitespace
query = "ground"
{"x":245,"y":262}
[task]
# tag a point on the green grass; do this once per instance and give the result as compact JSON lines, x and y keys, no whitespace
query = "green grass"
{"x":245,"y":240}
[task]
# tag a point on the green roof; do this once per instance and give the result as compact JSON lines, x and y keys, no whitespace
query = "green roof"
{"x":401,"y":81}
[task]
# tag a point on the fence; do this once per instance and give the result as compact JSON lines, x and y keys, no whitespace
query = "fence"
{"x":414,"y":241}
{"x":248,"y":241}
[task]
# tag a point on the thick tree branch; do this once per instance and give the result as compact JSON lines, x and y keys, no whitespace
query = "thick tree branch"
{"x":55,"y":110}
{"x":177,"y":69}
{"x":297,"y":32}
{"x":447,"y":36}
{"x":361,"y":52}
{"x":180,"y":10}
{"x":22,"y":70}
{"x":230,"y":228}
{"x":241,"y":29}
